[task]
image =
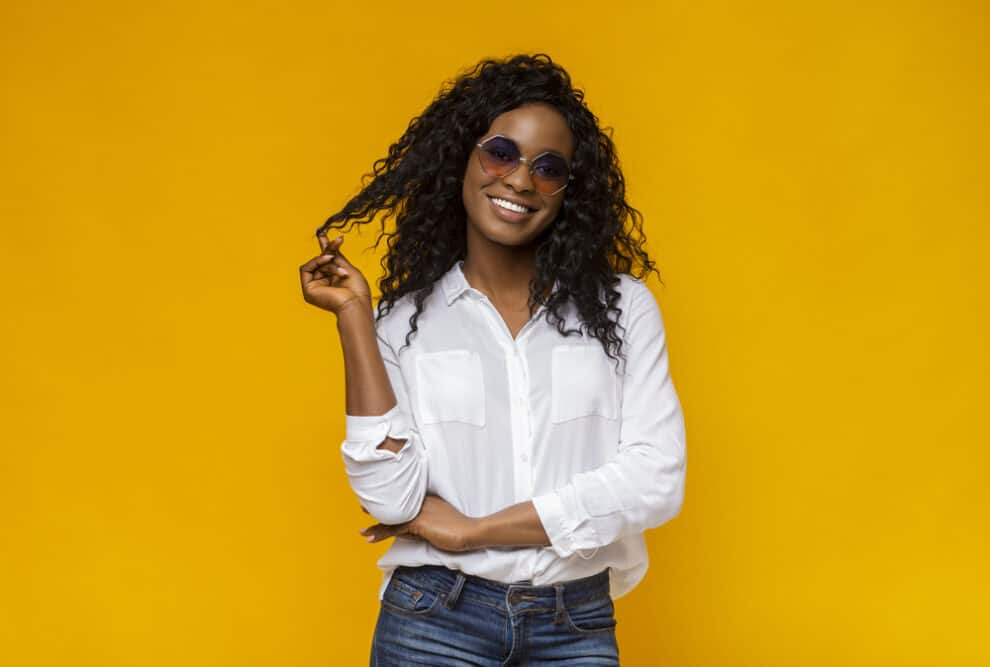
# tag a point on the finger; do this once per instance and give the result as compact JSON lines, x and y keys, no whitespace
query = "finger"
{"x":327,"y":246}
{"x":331,"y":251}
{"x":378,"y":532}
{"x":381,"y":531}
{"x":328,"y":269}
{"x":307,"y":270}
{"x":331,"y":271}
{"x":340,"y":267}
{"x":319,"y":260}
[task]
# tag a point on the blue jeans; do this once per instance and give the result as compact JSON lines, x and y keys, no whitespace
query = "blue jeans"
{"x":431,"y":615}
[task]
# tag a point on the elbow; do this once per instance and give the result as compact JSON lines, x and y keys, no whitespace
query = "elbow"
{"x":397,"y":512}
{"x":391,"y":486}
{"x":389,"y":497}
{"x":664,"y":509}
{"x":667,"y":497}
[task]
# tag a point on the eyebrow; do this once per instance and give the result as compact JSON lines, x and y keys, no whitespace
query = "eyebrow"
{"x":546,"y":150}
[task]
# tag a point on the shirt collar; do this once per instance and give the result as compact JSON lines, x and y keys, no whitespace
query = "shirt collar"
{"x":454,"y":283}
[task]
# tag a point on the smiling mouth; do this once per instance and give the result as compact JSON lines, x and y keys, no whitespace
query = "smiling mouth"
{"x":509,"y":210}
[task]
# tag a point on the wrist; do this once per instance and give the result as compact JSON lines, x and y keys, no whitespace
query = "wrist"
{"x":357,"y":307}
{"x":477,"y":534}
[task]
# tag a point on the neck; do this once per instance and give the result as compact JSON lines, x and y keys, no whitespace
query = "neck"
{"x":502,"y":273}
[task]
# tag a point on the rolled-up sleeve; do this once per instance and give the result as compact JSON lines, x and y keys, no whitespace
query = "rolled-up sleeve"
{"x":390,"y":485}
{"x":642,"y":487}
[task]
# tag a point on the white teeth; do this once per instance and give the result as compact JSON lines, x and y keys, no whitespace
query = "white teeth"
{"x":509,"y":205}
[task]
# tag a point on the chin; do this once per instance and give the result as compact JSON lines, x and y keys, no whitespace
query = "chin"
{"x":501,"y":238}
{"x":507,"y":234}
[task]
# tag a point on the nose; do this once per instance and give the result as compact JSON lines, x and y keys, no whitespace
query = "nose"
{"x":520,"y":179}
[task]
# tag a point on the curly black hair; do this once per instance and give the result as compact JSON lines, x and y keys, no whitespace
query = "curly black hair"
{"x":595,"y":235}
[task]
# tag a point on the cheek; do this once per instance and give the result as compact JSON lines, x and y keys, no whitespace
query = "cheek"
{"x":547,"y":222}
{"x":473,"y":174}
{"x":553,"y":212}
{"x":471,"y":188}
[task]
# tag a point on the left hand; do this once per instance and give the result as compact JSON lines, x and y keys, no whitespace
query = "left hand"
{"x":437,"y":522}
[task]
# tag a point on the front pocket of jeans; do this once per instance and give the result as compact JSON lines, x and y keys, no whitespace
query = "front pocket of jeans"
{"x":450,"y":387}
{"x":583,"y":383}
{"x":407,"y":598}
{"x":597,"y":615}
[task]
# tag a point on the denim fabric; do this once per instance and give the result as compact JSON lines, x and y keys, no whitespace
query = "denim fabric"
{"x":431,"y":615}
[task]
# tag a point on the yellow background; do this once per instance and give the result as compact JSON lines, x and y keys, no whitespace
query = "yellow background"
{"x":814,"y":180}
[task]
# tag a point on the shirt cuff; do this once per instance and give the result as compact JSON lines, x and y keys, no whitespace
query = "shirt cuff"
{"x":365,"y":433}
{"x":551,"y":512}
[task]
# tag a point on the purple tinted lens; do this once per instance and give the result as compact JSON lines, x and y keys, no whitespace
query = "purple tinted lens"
{"x":499,"y":155}
{"x":550,"y":173}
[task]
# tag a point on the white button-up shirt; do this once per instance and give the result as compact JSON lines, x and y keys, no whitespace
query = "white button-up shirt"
{"x":491,"y":421}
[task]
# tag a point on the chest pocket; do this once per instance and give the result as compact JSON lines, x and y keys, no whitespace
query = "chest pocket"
{"x":450,"y":387}
{"x":583,"y":383}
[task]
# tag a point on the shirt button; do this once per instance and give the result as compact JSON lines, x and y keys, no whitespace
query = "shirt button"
{"x":524,"y":458}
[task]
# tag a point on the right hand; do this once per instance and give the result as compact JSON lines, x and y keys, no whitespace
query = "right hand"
{"x":331,"y":282}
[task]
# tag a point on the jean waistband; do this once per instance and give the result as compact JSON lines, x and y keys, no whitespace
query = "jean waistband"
{"x":454,"y":582}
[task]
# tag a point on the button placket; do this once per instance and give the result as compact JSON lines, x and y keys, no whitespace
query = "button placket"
{"x":526,"y":417}
{"x":519,"y":410}
{"x":518,"y":387}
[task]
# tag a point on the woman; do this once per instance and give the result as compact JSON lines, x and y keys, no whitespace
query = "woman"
{"x":511,"y":420}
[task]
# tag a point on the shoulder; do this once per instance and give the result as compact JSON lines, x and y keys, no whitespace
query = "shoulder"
{"x":637,"y":301}
{"x":634,"y":293}
{"x":398,"y":314}
{"x":394,"y":324}
{"x":630,"y":286}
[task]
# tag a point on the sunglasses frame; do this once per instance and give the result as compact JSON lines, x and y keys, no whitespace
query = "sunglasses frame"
{"x":528,"y":161}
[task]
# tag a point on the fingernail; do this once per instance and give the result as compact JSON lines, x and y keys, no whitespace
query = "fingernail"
{"x":370,"y":538}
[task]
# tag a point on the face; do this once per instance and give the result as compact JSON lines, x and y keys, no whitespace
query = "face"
{"x":535,"y":128}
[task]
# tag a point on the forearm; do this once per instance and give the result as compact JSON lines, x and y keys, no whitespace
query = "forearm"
{"x":640,"y":489}
{"x":367,"y":387}
{"x":517,"y":525}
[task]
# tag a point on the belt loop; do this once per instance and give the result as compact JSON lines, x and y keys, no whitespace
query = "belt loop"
{"x":455,"y":592}
{"x":559,"y":616}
